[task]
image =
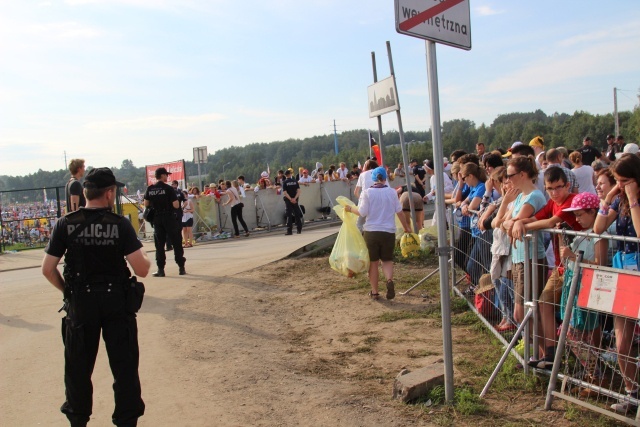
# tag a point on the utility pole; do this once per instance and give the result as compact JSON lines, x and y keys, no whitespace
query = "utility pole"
{"x":615,"y":111}
{"x":335,"y":136}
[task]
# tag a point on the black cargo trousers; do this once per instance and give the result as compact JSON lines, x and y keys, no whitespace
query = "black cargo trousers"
{"x":94,"y":308}
{"x":165,"y":224}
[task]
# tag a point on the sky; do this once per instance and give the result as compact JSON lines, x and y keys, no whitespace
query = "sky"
{"x":148,"y":80}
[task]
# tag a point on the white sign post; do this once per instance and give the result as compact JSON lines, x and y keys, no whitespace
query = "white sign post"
{"x":446,"y":22}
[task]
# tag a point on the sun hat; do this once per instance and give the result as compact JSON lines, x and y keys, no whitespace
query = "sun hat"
{"x":264,"y":174}
{"x":631,"y":148}
{"x":583,"y":201}
{"x":538,"y":141}
{"x":379,"y":174}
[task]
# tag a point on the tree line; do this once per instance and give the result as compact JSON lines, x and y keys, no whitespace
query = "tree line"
{"x":558,"y":129}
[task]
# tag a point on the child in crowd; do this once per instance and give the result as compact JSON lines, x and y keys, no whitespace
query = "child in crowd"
{"x":584,"y":332}
{"x":551,"y":215}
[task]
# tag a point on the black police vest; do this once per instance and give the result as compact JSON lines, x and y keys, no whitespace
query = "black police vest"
{"x":95,"y":254}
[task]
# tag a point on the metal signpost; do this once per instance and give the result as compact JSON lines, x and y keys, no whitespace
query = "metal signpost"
{"x":447,"y":22}
{"x":383,"y":98}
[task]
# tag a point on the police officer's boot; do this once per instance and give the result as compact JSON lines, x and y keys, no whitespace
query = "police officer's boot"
{"x":159,"y":273}
{"x":182,"y":271}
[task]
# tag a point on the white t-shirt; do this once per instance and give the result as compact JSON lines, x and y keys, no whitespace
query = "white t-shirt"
{"x":448,"y":184}
{"x":364,"y":182}
{"x":305,"y":180}
{"x":380,"y":206}
{"x":342,"y":173}
{"x":584,"y":176}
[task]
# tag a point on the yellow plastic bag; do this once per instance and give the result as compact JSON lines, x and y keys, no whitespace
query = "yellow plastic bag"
{"x":410,"y":245}
{"x":349,"y":255}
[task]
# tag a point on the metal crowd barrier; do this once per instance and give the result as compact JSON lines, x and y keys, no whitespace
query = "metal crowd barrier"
{"x":587,"y":366}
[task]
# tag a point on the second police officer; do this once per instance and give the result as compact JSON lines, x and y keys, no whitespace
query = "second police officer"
{"x":162,"y":198}
{"x":291,"y":190}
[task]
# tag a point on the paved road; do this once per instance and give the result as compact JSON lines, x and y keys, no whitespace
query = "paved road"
{"x":31,"y":351}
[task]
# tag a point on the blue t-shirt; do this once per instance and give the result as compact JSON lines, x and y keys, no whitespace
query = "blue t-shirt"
{"x":624,"y":227}
{"x":477,"y":191}
{"x":538,"y":201}
{"x":465,"y":221}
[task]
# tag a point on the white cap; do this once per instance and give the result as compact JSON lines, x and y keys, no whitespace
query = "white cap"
{"x":515,"y":144}
{"x":631,"y":148}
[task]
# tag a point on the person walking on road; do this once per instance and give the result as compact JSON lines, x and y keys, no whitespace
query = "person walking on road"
{"x":162,"y":198}
{"x":291,"y":190}
{"x":380,"y":205}
{"x":100,"y":296}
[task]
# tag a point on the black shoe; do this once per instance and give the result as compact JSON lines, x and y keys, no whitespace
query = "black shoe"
{"x":182,"y":271}
{"x":159,"y":273}
{"x":391,"y":289}
{"x":170,"y":248}
{"x":544,"y":363}
{"x":299,"y":232}
{"x":288,"y":233}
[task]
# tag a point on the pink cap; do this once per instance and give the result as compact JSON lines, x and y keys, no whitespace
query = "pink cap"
{"x":583,"y":201}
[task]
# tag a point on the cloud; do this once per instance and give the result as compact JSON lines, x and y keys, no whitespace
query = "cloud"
{"x":487,"y":11}
{"x":156,"y":122}
{"x":63,"y":30}
{"x":566,"y":65}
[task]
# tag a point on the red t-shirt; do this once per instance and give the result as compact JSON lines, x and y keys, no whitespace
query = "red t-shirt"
{"x":552,"y":209}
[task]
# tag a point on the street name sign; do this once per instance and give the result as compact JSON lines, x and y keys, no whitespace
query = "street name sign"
{"x":442,"y":21}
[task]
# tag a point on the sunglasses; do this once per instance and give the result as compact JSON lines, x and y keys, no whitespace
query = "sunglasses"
{"x":509,"y":176}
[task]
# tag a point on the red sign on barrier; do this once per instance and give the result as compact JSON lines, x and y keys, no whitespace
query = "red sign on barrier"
{"x":176,"y":168}
{"x":611,"y":292}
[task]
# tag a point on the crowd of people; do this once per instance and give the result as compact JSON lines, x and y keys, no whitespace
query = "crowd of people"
{"x":501,"y":196}
{"x":28,"y":224}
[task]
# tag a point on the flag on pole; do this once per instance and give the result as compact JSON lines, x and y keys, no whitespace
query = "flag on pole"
{"x":375,"y":149}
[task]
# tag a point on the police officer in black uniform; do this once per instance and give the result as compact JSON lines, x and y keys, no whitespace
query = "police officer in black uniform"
{"x":292,"y":210}
{"x":100,"y":295}
{"x":181,"y":199}
{"x":162,"y":198}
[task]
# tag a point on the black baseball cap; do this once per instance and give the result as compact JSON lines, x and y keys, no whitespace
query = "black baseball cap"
{"x":287,"y":172}
{"x":100,"y":178}
{"x":162,"y":171}
{"x":413,"y":161}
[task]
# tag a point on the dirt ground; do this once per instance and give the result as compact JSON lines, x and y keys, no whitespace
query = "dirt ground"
{"x":293,"y":343}
{"x":289,"y":343}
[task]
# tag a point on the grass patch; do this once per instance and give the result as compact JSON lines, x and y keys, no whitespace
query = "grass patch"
{"x":417,"y":354}
{"x":467,"y":402}
{"x":372,"y":340}
{"x":394,"y":316}
{"x":465,"y":319}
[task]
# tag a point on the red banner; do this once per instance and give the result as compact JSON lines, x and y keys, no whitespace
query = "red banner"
{"x":175,"y":168}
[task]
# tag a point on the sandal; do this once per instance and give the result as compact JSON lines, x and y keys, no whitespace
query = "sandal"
{"x":373,"y":296}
